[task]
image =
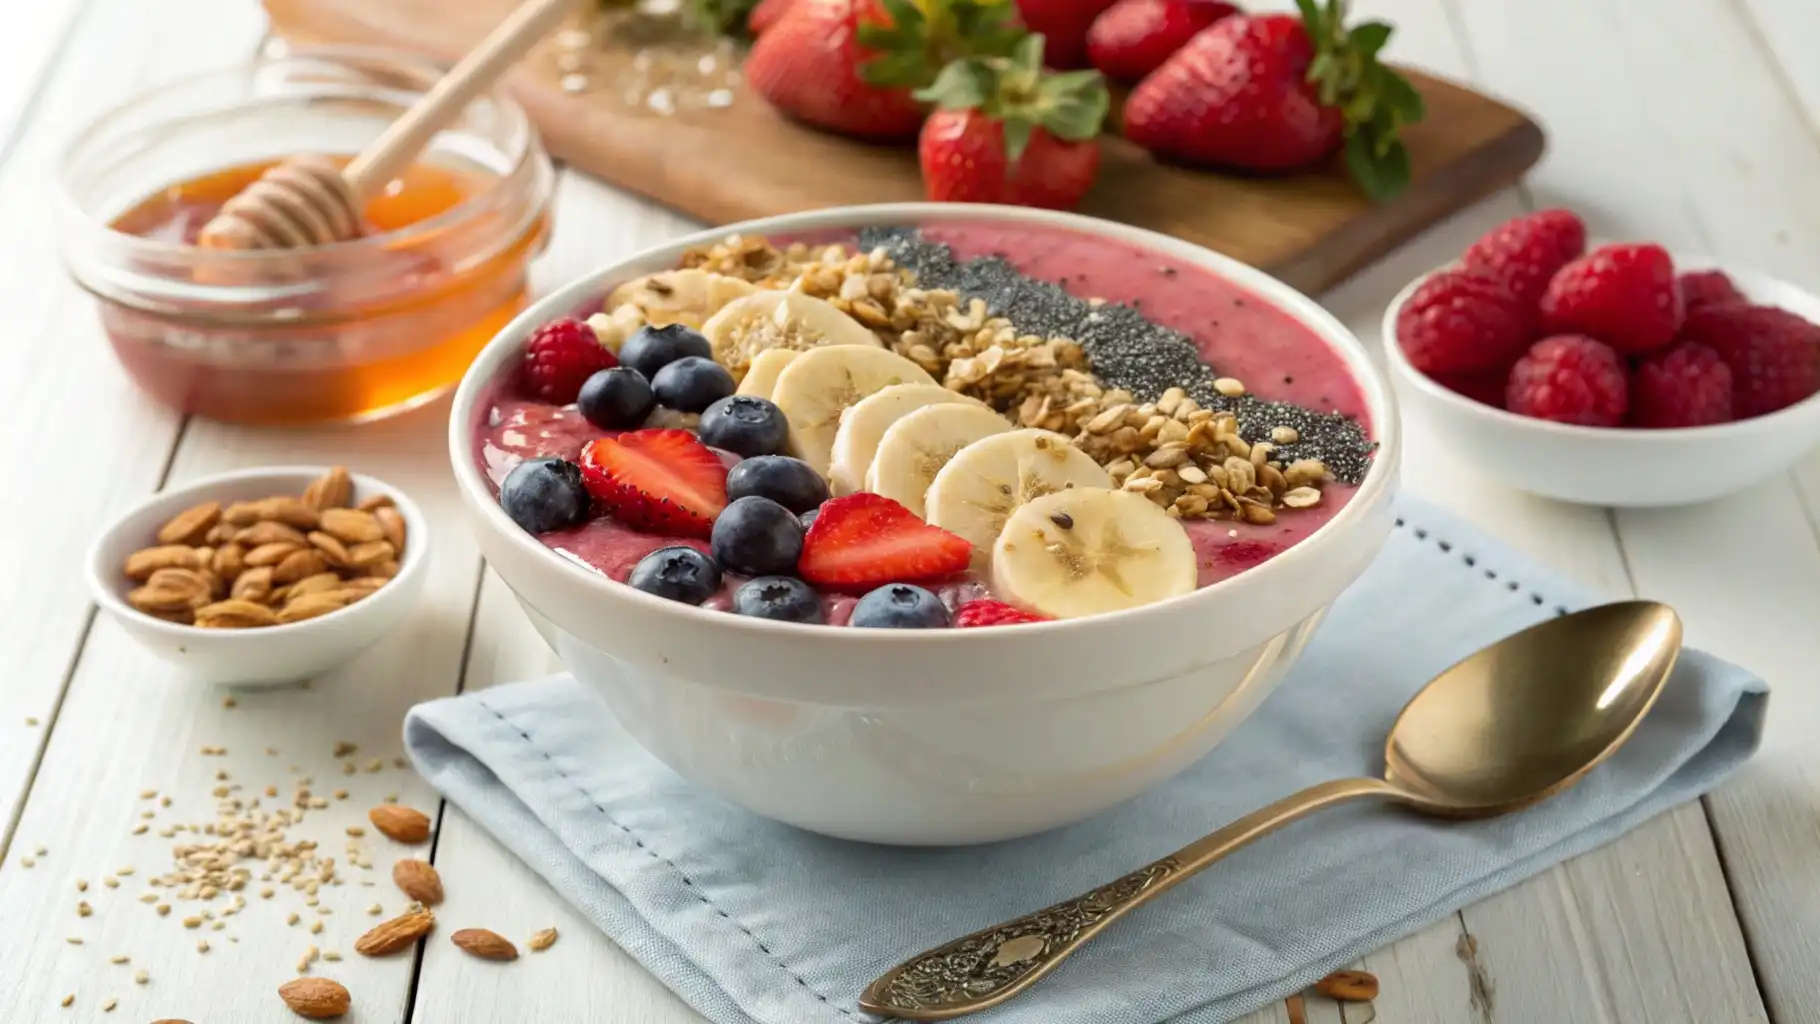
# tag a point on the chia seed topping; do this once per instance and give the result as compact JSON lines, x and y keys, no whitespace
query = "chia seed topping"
{"x":1124,"y":349}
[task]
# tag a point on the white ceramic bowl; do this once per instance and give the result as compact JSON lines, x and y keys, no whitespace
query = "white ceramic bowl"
{"x":1619,"y":467}
{"x":932,"y":737}
{"x":271,"y":655}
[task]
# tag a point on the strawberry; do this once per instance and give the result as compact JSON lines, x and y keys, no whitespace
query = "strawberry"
{"x":1623,"y":295}
{"x":1007,"y":132}
{"x":765,"y":15}
{"x":1275,"y":93}
{"x":559,"y":358}
{"x":656,"y":481}
{"x":987,"y":612}
{"x":850,"y":66}
{"x":1134,"y":37}
{"x":867,"y":540}
{"x":1064,"y":23}
{"x":1523,"y":253}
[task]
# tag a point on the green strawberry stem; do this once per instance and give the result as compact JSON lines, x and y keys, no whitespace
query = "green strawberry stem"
{"x":924,"y":37}
{"x":1375,"y":101}
{"x":1016,"y":92}
{"x":720,"y":17}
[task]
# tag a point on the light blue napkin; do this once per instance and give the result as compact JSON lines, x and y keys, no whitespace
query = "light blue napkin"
{"x":756,"y":923}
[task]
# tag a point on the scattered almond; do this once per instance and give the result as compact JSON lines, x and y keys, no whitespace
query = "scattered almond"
{"x":404,"y":824}
{"x":543,"y":940}
{"x":418,"y":880}
{"x":400,"y":932}
{"x":315,"y":998}
{"x":1349,"y":986}
{"x":191,"y":526}
{"x":485,"y":944}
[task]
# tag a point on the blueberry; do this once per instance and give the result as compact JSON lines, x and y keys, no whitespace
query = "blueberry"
{"x":758,"y":537}
{"x":900,"y":606}
{"x":544,"y":494}
{"x":691,"y":384}
{"x":778,"y":597}
{"x":808,"y":518}
{"x":791,"y":483}
{"x":650,"y":349}
{"x":679,"y":573}
{"x":616,"y":399}
{"x":745,"y":424}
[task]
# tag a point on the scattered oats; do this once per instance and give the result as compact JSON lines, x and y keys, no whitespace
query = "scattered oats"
{"x":356,"y":831}
{"x":343,"y":748}
{"x":316,"y":927}
{"x":399,"y":762}
{"x":141,"y":829}
{"x":221,"y":775}
{"x":214,"y":751}
{"x":111,"y":882}
{"x":228,"y":702}
{"x":148,"y":794}
{"x":192,"y":921}
{"x":119,"y":959}
{"x":30,"y":721}
{"x":375,"y":910}
{"x":271,"y":791}
{"x":331,"y":956}
{"x":271,"y":751}
{"x":543,"y":940}
{"x":324,"y":911}
{"x":82,"y":885}
{"x":1231,"y":387}
{"x":168,"y":832}
{"x":1285,"y":435}
{"x":389,"y":798}
{"x":265,"y":892}
{"x":147,"y":815}
{"x":141,"y":977}
{"x":349,"y":767}
{"x":341,"y":794}
{"x":150,"y":897}
{"x":163,"y":909}
{"x":67,"y":1000}
{"x":202,"y":945}
{"x":83,"y":909}
{"x":309,"y":957}
{"x":41,"y":851}
{"x":108,"y":1005}
{"x":26,"y":862}
{"x":74,"y":940}
{"x":376,"y":764}
{"x":291,"y":918}
{"x":125,"y":871}
{"x":164,"y":801}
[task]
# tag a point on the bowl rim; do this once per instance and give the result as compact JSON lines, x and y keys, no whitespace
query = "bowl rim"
{"x":104,"y":577}
{"x":1380,"y":403}
{"x":1745,"y":277}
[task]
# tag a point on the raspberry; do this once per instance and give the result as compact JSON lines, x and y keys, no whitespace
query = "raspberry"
{"x":1773,"y":354}
{"x":1686,"y":385}
{"x":559,"y":358}
{"x":1486,"y":387}
{"x":1523,"y":253}
{"x":1707,"y":288}
{"x":987,"y":612}
{"x":1623,"y":295}
{"x":1461,"y":322}
{"x":1569,"y":379}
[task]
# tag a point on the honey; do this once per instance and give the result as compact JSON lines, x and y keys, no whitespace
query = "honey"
{"x":342,"y":332}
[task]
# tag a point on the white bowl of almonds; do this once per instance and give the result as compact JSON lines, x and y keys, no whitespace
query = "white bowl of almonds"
{"x":263,"y":577}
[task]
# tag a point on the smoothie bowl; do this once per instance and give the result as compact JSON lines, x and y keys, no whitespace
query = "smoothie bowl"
{"x":927,"y":524}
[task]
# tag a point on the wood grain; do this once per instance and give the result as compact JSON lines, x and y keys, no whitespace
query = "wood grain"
{"x":1311,"y":230}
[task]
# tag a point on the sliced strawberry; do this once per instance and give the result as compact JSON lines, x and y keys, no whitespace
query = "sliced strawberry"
{"x":867,"y":540}
{"x":987,"y":612}
{"x":657,"y":481}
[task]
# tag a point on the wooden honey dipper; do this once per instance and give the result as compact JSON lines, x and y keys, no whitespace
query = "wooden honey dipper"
{"x":308,"y":200}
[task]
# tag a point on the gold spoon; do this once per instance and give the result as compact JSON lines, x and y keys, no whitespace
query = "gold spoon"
{"x":1511,"y":725}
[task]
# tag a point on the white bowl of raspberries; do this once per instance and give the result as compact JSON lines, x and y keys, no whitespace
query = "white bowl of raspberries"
{"x":1611,"y":375}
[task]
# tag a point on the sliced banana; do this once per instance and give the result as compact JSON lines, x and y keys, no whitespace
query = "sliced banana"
{"x":761,"y":375}
{"x":679,"y":296}
{"x":989,"y":479}
{"x":820,"y":384}
{"x":864,"y":425}
{"x":1090,"y":550}
{"x":615,"y":327}
{"x":916,"y":447}
{"x":771,"y":319}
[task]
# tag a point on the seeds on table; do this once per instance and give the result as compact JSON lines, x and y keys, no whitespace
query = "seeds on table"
{"x":543,"y":940}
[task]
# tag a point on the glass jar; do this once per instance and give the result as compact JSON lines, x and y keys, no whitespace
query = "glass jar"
{"x":356,"y":330}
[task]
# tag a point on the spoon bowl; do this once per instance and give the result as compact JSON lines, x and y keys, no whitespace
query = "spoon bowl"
{"x":1503,"y":729}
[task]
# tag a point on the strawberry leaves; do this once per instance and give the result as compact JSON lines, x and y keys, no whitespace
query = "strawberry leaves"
{"x":1375,"y":101}
{"x":917,"y":40}
{"x":1015,"y":91}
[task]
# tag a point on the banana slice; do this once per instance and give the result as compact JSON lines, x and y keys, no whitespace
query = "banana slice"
{"x":822,"y":383}
{"x":1089,"y":550}
{"x":989,"y":479}
{"x":614,"y":328}
{"x":761,"y":375}
{"x":679,"y":296}
{"x":919,"y":444}
{"x":864,"y":425}
{"x":766,"y":320}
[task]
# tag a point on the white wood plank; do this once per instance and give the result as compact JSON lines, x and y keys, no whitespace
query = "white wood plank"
{"x":1786,"y":30}
{"x":32,"y":38}
{"x":1730,"y":171}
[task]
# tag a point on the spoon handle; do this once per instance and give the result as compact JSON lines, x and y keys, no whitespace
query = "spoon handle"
{"x":984,"y":969}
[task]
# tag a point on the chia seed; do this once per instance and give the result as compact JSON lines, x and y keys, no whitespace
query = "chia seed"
{"x":1124,"y":349}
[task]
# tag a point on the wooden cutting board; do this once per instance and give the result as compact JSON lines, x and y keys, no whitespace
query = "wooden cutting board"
{"x":744,"y":161}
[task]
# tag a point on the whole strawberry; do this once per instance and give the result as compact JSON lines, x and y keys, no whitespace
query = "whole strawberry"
{"x":1458,"y":322}
{"x":560,"y":356}
{"x":1006,"y":131}
{"x":1064,"y":23}
{"x":1774,"y":355}
{"x":1570,"y":379}
{"x":850,"y":66}
{"x":1524,"y":253}
{"x":1623,"y":295}
{"x":1132,"y":38}
{"x":1275,"y":92}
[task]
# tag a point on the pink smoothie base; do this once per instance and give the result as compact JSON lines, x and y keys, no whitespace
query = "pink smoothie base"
{"x":1238,"y":333}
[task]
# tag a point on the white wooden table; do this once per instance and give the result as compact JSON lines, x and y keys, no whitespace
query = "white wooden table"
{"x":1696,"y":122}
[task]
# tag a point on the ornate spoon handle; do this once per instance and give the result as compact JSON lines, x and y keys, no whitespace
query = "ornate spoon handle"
{"x":981,"y":970}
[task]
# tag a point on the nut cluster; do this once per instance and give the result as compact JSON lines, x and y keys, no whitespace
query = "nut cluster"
{"x":269,"y":562}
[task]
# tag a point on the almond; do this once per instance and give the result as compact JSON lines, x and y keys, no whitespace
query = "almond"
{"x":384,"y":570}
{"x":299,"y":564}
{"x":270,"y":554}
{"x":361,"y":586}
{"x":400,"y":932}
{"x":418,"y":880}
{"x":253,"y":584}
{"x":315,"y":998}
{"x":229,"y":560}
{"x":543,"y":940}
{"x":351,"y":526}
{"x":242,"y":513}
{"x":235,"y":614}
{"x":192,"y":525}
{"x":485,"y":944}
{"x":142,"y":563}
{"x":366,"y":555}
{"x":404,"y":824}
{"x":331,"y":490}
{"x":392,"y":522}
{"x":1349,"y":986}
{"x":333,"y":550}
{"x":269,"y":532}
{"x":319,"y":583}
{"x":375,"y":503}
{"x":221,"y":532}
{"x":173,"y":590}
{"x":310,"y":606}
{"x":289,"y":511}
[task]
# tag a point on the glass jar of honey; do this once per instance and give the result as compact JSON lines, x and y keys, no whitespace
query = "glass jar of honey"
{"x":351,"y":331}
